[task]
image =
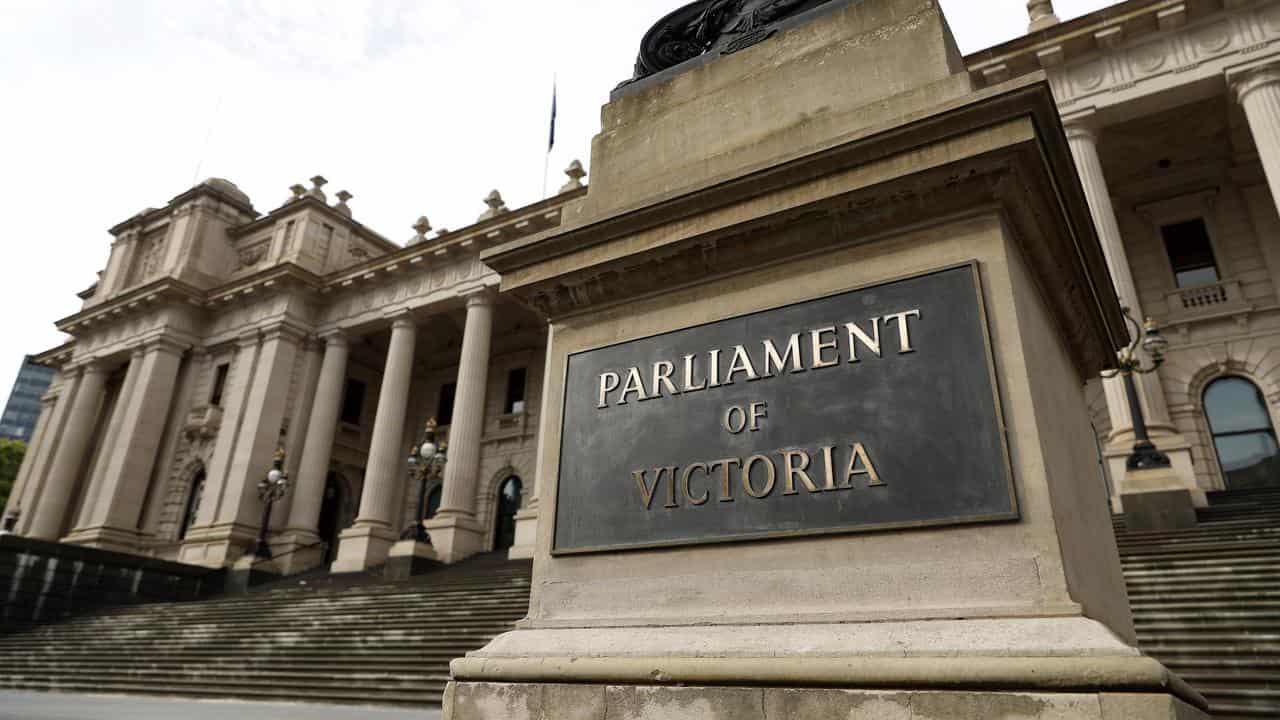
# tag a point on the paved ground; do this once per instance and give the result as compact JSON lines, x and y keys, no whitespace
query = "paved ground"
{"x":59,"y":706}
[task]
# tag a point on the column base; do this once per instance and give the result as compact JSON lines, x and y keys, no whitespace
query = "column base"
{"x":361,"y":547}
{"x":105,"y":538}
{"x":455,"y":538}
{"x":218,"y":545}
{"x":408,"y":558}
{"x":526,"y":535}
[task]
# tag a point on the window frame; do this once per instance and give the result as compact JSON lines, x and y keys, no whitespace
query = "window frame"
{"x":1213,"y":436}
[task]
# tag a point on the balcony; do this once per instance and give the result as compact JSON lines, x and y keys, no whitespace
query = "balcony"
{"x":203,"y":422}
{"x":1207,"y":301}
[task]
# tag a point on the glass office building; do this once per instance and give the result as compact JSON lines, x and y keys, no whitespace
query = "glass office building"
{"x":23,"y":408}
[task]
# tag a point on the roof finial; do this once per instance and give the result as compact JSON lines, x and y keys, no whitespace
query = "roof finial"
{"x":342,"y":206}
{"x":1042,"y":15}
{"x":318,"y":182}
{"x":298,"y":191}
{"x":422,"y":227}
{"x":575,"y":173}
{"x":496,"y":205}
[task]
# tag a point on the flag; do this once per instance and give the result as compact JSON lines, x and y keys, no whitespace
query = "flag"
{"x":552,"y":143}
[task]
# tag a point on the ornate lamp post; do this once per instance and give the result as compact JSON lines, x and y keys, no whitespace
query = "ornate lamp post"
{"x":1147,"y":336}
{"x":425,"y":460}
{"x":271,"y":488}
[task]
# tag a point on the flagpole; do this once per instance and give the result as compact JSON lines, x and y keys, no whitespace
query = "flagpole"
{"x":551,"y":144}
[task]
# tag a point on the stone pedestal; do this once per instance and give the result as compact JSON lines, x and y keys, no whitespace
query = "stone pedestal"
{"x":408,"y":558}
{"x":1156,"y":499}
{"x":779,"y":191}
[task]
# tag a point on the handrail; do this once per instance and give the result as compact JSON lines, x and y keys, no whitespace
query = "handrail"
{"x":291,"y":552}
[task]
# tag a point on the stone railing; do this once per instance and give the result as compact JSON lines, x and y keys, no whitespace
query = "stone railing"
{"x":43,"y":582}
{"x":1218,"y":298}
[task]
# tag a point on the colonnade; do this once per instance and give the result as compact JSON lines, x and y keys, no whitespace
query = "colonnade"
{"x":1257,"y":89}
{"x":80,"y":415}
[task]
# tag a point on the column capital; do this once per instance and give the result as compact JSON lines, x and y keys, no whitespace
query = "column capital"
{"x":283,"y":331}
{"x":1244,"y":81}
{"x":335,"y":338}
{"x":91,"y":366}
{"x":481,"y":297}
{"x":1082,"y":125}
{"x":248,"y":338}
{"x":165,"y":344}
{"x":404,"y":321}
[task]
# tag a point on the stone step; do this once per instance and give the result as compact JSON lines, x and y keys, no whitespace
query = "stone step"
{"x":335,"y":695}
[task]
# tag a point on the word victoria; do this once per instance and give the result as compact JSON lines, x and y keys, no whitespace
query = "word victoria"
{"x":831,"y":469}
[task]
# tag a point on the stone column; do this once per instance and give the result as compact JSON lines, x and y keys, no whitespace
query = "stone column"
{"x":455,"y":532}
{"x":70,"y":454}
{"x":367,"y":542}
{"x":1258,"y":91}
{"x":257,"y":393}
{"x":111,"y":521}
{"x":29,"y":461}
{"x":304,"y":515}
{"x":1083,"y":139}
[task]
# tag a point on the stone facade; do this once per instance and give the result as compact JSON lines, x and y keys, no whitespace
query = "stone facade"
{"x":1171,"y":110}
{"x":217,"y":334}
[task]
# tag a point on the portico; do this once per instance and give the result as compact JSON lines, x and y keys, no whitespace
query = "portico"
{"x":1173,"y":119}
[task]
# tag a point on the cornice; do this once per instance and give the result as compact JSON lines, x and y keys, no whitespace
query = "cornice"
{"x":1064,"y":41}
{"x":139,"y":299}
{"x":56,"y":357}
{"x":522,"y":222}
{"x":286,"y":275}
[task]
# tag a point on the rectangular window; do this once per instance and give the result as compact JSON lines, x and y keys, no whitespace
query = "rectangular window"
{"x":219,"y":384}
{"x":444,"y":409}
{"x":353,"y":402}
{"x":1190,"y":253}
{"x":515,"y":391}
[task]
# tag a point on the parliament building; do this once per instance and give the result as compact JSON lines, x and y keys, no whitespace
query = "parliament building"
{"x":226,"y":337}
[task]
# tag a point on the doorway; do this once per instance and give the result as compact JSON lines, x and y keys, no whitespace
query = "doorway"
{"x":331,"y":515}
{"x":509,"y":493}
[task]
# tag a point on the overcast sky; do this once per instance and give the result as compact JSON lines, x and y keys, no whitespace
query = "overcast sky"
{"x":415,"y":106}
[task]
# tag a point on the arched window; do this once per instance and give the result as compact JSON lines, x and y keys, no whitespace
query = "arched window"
{"x":508,"y":505}
{"x":193,"y":504}
{"x":1242,"y":433}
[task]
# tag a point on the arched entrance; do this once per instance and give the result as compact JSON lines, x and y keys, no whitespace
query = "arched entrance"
{"x":1243,"y":435}
{"x":509,"y":493}
{"x":331,"y":515}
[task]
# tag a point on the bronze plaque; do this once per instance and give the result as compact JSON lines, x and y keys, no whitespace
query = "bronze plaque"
{"x":867,"y":410}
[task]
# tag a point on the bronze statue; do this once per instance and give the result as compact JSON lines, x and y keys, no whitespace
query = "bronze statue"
{"x":719,"y":26}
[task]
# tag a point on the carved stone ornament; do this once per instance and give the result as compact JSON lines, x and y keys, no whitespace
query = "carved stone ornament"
{"x":719,"y":26}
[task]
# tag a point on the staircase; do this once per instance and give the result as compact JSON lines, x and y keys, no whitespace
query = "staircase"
{"x":1207,"y":600}
{"x":343,"y":640}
